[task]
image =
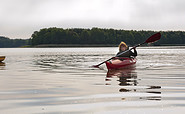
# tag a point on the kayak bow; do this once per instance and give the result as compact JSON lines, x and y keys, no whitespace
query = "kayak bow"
{"x":120,"y":62}
{"x":2,"y":58}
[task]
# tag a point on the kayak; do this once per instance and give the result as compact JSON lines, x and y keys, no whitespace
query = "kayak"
{"x":2,"y":58}
{"x":120,"y":62}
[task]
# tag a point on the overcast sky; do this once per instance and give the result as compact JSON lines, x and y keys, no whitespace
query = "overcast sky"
{"x":20,"y":18}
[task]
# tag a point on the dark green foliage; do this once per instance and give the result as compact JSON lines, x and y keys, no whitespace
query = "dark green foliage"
{"x":93,"y":36}
{"x":102,"y":36}
{"x":6,"y":42}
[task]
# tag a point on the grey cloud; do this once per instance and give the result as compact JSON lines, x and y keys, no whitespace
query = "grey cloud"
{"x":158,"y":14}
{"x":20,"y":18}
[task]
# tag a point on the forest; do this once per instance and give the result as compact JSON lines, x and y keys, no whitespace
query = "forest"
{"x":102,"y":36}
{"x":95,"y":36}
{"x":7,"y":42}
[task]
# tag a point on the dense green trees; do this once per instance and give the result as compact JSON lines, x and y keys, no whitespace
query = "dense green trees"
{"x":102,"y":36}
{"x":95,"y":36}
{"x":6,"y":42}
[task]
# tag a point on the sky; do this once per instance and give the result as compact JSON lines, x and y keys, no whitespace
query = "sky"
{"x":20,"y":18}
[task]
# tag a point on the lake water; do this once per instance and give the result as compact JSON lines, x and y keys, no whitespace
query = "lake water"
{"x":62,"y":81}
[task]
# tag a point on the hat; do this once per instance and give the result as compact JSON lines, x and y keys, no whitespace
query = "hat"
{"x":122,"y":44}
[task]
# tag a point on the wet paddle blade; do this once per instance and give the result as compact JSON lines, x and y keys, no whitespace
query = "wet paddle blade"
{"x":153,"y":38}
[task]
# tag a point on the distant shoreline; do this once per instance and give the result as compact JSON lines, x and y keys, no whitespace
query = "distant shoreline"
{"x":94,"y":45}
{"x":75,"y":45}
{"x":91,"y":45}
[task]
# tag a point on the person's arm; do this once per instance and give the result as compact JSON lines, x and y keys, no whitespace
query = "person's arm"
{"x":118,"y":53}
{"x":126,"y":53}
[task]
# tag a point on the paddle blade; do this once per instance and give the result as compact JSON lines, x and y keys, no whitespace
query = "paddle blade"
{"x":153,"y":38}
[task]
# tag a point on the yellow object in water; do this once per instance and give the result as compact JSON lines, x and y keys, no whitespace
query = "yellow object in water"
{"x":2,"y":58}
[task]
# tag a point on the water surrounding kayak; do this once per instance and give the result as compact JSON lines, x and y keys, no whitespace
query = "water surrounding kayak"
{"x":60,"y":80}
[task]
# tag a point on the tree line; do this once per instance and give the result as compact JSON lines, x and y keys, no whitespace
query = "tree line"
{"x":97,"y":36}
{"x":7,"y":42}
{"x":102,"y":36}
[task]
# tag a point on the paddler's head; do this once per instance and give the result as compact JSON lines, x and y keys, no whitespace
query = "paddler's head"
{"x":123,"y":46}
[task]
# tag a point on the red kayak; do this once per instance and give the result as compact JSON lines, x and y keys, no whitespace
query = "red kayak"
{"x":120,"y":62}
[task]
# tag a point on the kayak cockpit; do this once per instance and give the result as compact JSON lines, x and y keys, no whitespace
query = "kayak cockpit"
{"x":120,"y":62}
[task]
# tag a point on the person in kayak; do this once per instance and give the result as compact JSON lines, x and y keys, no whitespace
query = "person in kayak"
{"x":128,"y":53}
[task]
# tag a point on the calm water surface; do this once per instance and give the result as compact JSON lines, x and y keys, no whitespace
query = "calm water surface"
{"x":61,"y":80}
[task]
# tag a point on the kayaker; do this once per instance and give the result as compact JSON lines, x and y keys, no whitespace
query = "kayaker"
{"x":123,"y":47}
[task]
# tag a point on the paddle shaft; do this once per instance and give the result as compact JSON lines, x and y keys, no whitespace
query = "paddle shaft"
{"x":129,"y":49}
{"x":151,"y":39}
{"x":121,"y":53}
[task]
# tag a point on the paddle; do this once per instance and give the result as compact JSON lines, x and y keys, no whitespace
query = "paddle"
{"x":151,"y":39}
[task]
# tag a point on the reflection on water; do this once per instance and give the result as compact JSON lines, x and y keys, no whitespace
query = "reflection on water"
{"x":128,"y":77}
{"x":60,"y":80}
{"x":2,"y":66}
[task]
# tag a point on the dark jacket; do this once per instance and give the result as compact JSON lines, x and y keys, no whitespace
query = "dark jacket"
{"x":128,"y":53}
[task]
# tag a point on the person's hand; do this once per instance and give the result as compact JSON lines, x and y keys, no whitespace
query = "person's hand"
{"x":134,"y":47}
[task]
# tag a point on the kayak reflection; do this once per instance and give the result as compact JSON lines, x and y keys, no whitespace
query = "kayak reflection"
{"x":2,"y":66}
{"x":128,"y":77}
